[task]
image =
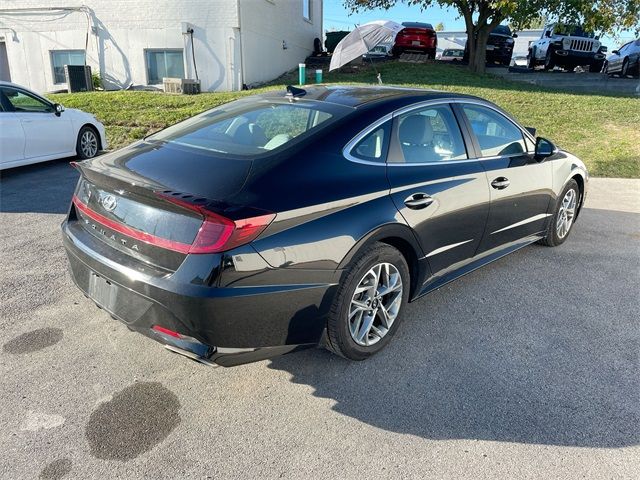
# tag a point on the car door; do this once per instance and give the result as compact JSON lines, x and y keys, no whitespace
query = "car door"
{"x":46,"y":134}
{"x":440,"y":190}
{"x":520,"y":185}
{"x":11,"y":135}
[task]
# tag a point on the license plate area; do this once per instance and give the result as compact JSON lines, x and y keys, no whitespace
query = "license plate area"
{"x":416,"y":43}
{"x":102,"y":291}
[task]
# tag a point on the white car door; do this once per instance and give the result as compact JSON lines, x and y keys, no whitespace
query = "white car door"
{"x":46,"y":134}
{"x":11,"y":138}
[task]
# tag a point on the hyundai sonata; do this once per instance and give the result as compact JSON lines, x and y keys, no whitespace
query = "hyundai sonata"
{"x":286,"y":220}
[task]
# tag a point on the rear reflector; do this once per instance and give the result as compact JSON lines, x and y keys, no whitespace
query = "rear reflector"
{"x":166,"y":331}
{"x":216,"y":234}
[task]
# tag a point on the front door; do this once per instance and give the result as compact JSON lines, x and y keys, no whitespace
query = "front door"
{"x":438,"y":187}
{"x":520,"y":186}
{"x":45,"y":132}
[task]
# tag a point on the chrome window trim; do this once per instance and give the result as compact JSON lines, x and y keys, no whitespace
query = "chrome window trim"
{"x":346,"y":151}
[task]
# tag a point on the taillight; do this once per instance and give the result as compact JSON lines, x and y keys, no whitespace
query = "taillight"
{"x":216,"y":234}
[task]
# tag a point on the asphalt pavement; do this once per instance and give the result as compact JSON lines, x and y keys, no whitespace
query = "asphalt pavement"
{"x":526,"y":368}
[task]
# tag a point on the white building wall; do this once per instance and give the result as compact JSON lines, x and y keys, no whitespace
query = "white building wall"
{"x":121,"y":30}
{"x":265,"y":25}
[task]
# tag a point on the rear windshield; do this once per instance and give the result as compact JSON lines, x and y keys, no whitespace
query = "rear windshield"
{"x":417,"y":25}
{"x":248,"y":128}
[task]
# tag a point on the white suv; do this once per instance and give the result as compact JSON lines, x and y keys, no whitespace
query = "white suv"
{"x":566,"y":47}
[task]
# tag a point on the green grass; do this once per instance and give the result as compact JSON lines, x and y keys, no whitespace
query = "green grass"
{"x":603,"y":130}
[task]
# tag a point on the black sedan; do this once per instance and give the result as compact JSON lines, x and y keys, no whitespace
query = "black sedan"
{"x":625,"y":61}
{"x":286,"y":220}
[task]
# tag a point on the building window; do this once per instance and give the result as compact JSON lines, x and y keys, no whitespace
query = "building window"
{"x":60,"y":58}
{"x":164,"y":63}
{"x":306,"y":10}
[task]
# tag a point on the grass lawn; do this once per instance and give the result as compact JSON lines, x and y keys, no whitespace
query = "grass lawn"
{"x":603,"y":130}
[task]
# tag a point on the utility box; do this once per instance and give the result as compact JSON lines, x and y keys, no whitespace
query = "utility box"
{"x":186,"y":86}
{"x":78,"y":78}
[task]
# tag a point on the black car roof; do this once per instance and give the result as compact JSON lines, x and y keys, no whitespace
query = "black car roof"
{"x":356,"y":96}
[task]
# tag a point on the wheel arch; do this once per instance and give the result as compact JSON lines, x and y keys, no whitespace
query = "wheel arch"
{"x":96,"y":131}
{"x":400,"y":237}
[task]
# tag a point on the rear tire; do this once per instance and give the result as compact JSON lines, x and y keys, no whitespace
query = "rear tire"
{"x":88,"y":143}
{"x":564,"y":216}
{"x":363,"y":318}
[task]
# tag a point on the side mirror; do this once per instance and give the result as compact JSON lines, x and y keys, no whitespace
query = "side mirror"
{"x":547,"y":34}
{"x":616,"y":52}
{"x":544,"y":148}
{"x":58,"y":109}
{"x":515,"y":35}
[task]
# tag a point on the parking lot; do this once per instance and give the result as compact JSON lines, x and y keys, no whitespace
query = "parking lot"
{"x":527,"y":367}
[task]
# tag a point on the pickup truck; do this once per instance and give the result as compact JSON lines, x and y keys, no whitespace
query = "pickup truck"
{"x":566,"y":47}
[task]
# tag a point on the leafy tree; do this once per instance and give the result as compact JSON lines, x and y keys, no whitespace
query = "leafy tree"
{"x":482,"y":16}
{"x":440,"y":27}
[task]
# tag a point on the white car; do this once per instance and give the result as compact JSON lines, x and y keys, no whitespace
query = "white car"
{"x":33,"y":129}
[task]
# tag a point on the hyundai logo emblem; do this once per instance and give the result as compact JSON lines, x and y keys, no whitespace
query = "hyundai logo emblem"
{"x":109,"y":203}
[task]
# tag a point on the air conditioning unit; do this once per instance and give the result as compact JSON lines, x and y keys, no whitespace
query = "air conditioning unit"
{"x":181,"y":85}
{"x":78,"y":78}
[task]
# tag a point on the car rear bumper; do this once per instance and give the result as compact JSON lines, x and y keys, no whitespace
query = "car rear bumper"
{"x":216,"y":325}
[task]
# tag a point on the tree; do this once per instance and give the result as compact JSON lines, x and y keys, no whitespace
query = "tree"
{"x":482,"y":16}
{"x":440,"y":27}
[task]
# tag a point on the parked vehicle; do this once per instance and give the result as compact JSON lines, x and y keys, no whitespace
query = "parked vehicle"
{"x":379,"y":52}
{"x":416,"y":37}
{"x":277,"y":222}
{"x":499,"y":46}
{"x":452,"y":55}
{"x":566,"y":47}
{"x":625,"y":61}
{"x":519,"y":61}
{"x":33,"y":129}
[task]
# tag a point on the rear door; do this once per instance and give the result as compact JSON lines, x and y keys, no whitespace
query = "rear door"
{"x":520,"y":185}
{"x":45,"y":132}
{"x":437,"y":185}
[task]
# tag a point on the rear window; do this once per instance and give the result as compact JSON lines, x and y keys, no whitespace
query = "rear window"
{"x":248,"y":128}
{"x":417,"y":25}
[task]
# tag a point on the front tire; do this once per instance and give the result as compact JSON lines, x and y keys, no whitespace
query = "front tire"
{"x":563,"y":216}
{"x":88,"y":143}
{"x":549,"y":61}
{"x":531,"y":63}
{"x":624,"y":71}
{"x":367,"y":309}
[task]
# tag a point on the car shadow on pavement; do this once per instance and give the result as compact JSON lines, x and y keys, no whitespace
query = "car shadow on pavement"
{"x":40,"y":188}
{"x":540,"y":347}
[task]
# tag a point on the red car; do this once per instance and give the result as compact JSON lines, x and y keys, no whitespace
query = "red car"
{"x":416,"y":37}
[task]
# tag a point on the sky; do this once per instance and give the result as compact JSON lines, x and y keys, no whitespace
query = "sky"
{"x":337,"y":17}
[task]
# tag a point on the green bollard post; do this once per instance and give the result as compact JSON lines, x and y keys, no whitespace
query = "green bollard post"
{"x":302,"y":73}
{"x":318,"y":76}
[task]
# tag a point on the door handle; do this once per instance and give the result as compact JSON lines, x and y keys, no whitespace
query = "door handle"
{"x":26,"y":121}
{"x":500,"y":183}
{"x":418,"y":200}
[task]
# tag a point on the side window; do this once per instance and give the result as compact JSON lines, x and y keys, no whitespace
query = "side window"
{"x":373,"y":146}
{"x":496,"y":134}
{"x":430,"y":135}
{"x":23,"y":102}
{"x":60,"y":58}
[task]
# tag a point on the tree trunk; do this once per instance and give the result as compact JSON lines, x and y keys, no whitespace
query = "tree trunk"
{"x":478,"y":51}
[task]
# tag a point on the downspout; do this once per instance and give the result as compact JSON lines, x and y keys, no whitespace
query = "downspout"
{"x":242,"y":83}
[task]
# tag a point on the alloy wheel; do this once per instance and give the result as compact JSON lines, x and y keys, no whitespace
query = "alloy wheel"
{"x":89,"y":144}
{"x":375,"y":304}
{"x":566,"y":213}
